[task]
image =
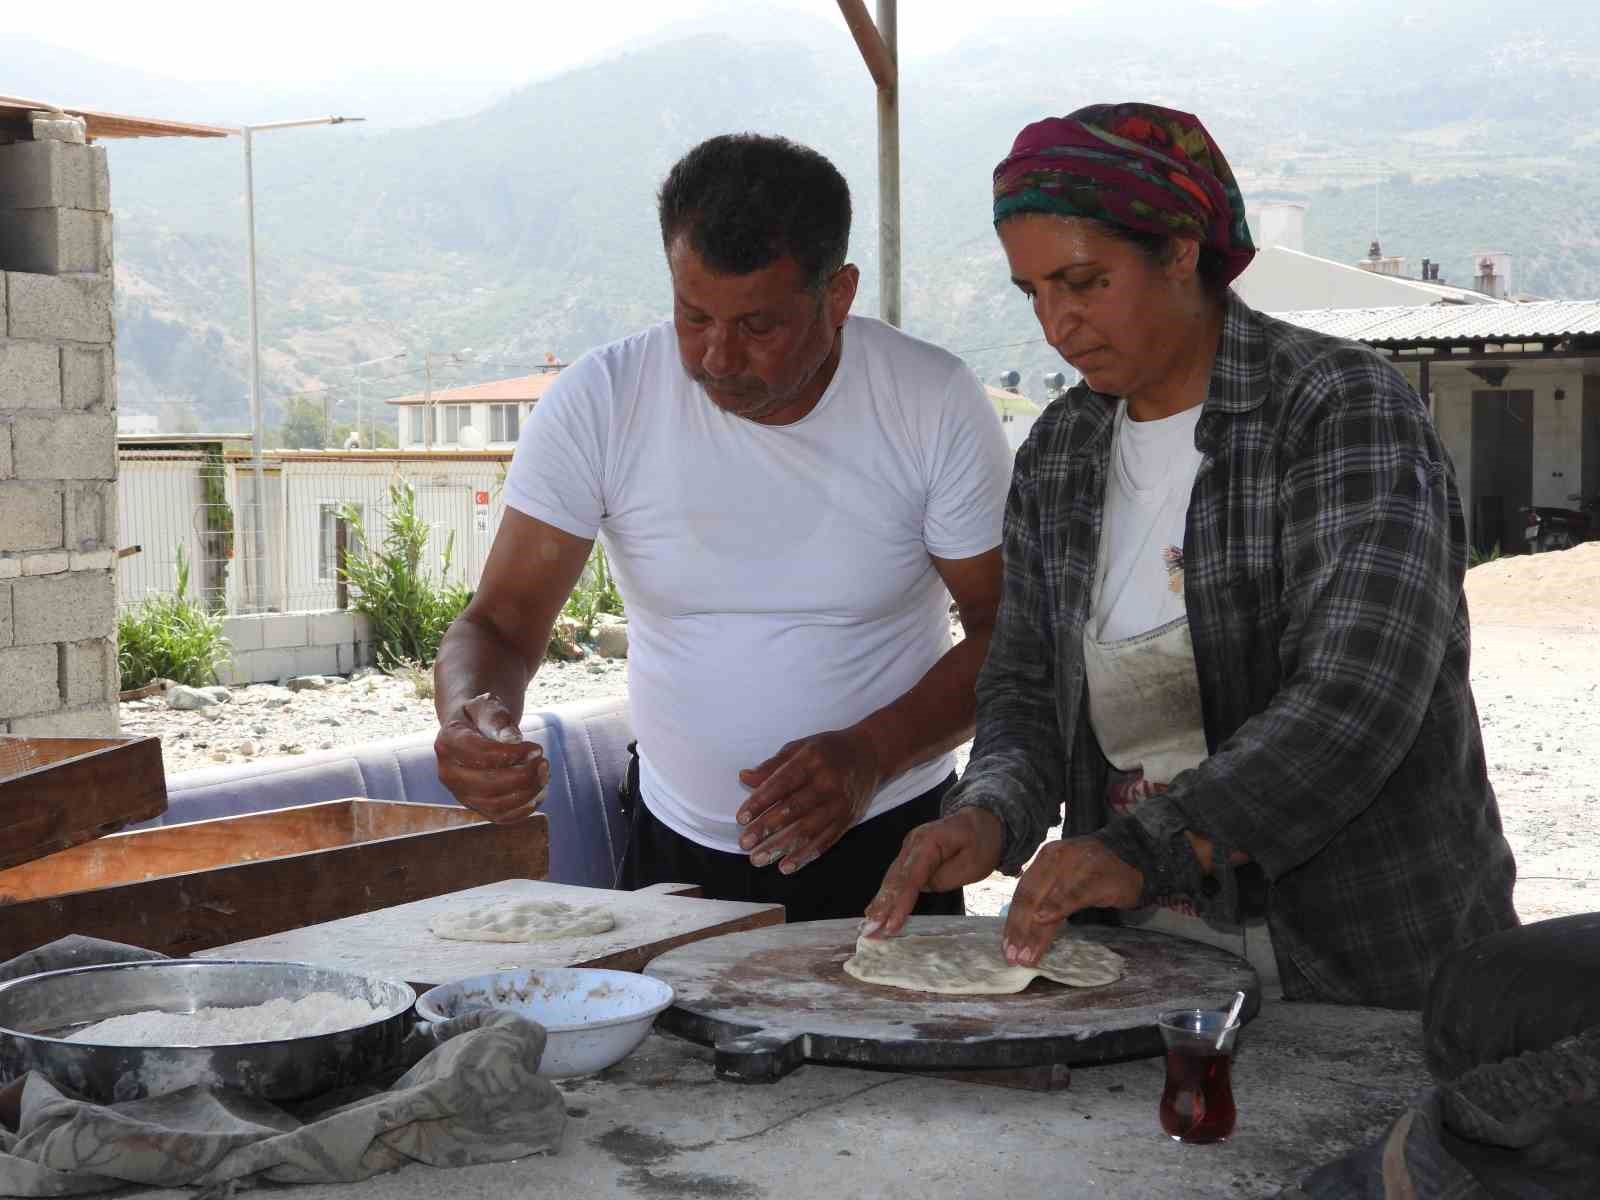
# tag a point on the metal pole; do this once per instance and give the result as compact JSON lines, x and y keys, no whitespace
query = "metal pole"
{"x":889,"y":172}
{"x":258,"y":538}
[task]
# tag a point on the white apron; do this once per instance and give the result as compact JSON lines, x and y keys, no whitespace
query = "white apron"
{"x":1144,"y":708}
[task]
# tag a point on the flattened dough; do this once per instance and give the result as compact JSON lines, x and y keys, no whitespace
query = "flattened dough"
{"x":510,"y":920}
{"x":970,"y":962}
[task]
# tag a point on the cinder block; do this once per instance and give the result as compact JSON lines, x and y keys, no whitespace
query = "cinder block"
{"x":66,"y":446}
{"x":5,"y":614}
{"x":60,"y":127}
{"x":28,"y":680}
{"x":243,"y":633}
{"x":30,"y":374}
{"x":73,"y":308}
{"x":53,"y":562}
{"x":316,"y":660}
{"x":91,"y":515}
{"x":10,"y":568}
{"x":89,"y":671}
{"x":63,"y":608}
{"x":55,"y":241}
{"x":6,"y":471}
{"x":99,"y":720}
{"x":32,"y":519}
{"x":54,"y":175}
{"x":87,"y":382}
{"x":332,"y":628}
{"x":93,"y":560}
{"x":283,"y":630}
{"x":264,"y":666}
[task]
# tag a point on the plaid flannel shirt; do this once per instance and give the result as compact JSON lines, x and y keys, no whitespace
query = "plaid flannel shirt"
{"x":1324,"y":555}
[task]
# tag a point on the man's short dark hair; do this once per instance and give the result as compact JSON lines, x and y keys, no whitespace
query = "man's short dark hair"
{"x":744,"y":201}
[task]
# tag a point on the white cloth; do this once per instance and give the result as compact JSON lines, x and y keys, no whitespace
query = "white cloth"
{"x":1153,"y":468}
{"x":777,"y":578}
{"x":1144,"y":693}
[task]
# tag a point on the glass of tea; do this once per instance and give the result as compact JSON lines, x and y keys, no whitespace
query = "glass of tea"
{"x":1197,"y":1103}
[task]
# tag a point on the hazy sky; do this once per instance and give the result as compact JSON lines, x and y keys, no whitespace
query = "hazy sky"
{"x":306,"y":41}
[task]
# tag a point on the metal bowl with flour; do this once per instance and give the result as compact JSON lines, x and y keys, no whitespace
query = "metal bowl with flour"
{"x":593,"y":1017}
{"x":39,"y":1013}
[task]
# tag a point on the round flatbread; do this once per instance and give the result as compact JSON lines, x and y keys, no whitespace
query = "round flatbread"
{"x":970,"y":962}
{"x":511,"y":920}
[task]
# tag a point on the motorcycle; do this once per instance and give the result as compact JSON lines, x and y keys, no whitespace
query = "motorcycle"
{"x":1547,"y":528}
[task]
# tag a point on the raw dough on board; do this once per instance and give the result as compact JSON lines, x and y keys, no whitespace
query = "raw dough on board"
{"x":510,"y":920}
{"x":970,"y":962}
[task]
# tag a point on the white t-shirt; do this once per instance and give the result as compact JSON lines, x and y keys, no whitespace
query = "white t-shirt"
{"x":1139,"y":586}
{"x":777,"y":578}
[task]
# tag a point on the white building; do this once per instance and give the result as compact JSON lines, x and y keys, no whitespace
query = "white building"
{"x":482,"y":415}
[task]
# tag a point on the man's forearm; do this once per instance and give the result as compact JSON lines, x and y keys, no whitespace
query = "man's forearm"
{"x":474,"y":659}
{"x":935,"y":716}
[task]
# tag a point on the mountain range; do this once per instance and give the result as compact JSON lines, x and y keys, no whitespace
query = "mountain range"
{"x":527,"y":225}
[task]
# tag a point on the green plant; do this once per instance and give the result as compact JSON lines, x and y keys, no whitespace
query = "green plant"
{"x":595,"y":595}
{"x":409,"y":611}
{"x":170,"y":637}
{"x":1477,"y":557}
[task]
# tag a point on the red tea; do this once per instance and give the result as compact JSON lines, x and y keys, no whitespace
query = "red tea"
{"x":1197,"y":1105}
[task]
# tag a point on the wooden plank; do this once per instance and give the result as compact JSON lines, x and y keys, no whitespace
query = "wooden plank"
{"x":396,"y":941}
{"x":144,"y":854}
{"x":181,"y":914}
{"x":60,"y":792}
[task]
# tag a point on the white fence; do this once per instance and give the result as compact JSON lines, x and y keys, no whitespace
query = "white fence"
{"x":280,"y":555}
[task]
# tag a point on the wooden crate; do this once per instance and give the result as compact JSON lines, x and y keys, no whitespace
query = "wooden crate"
{"x":182,"y":888}
{"x":60,"y":792}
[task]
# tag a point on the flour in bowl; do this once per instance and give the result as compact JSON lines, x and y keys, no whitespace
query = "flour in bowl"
{"x":274,"y":1021}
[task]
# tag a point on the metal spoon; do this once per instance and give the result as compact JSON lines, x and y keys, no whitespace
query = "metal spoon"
{"x":1233,"y":1017}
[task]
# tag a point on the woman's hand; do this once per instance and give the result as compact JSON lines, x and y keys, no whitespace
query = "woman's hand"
{"x":937,"y":857}
{"x":1065,"y":876}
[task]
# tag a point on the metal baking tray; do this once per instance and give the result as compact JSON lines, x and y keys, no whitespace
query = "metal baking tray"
{"x":38,"y":1012}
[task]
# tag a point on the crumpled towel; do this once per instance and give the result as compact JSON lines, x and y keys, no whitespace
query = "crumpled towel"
{"x":476,"y":1098}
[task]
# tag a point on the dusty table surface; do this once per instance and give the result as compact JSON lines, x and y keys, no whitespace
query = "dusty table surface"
{"x":1311,"y":1082}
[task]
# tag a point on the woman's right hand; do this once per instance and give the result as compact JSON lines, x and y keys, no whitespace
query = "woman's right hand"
{"x":937,"y":857}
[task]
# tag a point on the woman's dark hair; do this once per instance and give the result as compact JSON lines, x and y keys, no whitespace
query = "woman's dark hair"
{"x":744,"y":201}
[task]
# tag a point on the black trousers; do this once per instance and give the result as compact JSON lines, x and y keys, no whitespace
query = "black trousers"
{"x":839,"y":884}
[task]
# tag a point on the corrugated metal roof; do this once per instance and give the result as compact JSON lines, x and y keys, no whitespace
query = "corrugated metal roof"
{"x":1541,"y":320}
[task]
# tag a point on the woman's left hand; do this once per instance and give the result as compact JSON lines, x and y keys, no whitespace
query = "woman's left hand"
{"x":1065,"y":876}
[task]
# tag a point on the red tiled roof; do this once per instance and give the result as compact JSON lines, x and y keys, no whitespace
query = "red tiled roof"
{"x":500,"y":391}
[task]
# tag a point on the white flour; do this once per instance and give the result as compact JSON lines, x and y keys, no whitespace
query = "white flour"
{"x":277,"y":1019}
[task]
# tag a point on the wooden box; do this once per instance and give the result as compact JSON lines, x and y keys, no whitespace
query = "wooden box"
{"x":59,"y":792}
{"x":182,"y":888}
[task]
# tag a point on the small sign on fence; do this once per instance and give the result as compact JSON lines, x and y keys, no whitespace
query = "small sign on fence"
{"x":480,"y":511}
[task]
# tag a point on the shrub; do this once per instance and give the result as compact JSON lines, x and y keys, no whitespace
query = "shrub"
{"x":409,"y":611}
{"x":170,"y":637}
{"x":595,"y":595}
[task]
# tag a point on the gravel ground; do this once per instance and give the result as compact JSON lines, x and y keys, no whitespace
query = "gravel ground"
{"x":1537,"y":686}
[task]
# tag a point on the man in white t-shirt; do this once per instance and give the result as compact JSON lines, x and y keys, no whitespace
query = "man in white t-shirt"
{"x":789,"y":497}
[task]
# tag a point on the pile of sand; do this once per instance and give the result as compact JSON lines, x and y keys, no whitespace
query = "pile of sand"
{"x":1556,"y":588}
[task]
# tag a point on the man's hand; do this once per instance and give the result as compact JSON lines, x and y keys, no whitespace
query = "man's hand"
{"x":937,"y":857}
{"x":806,"y":797}
{"x":486,"y":764}
{"x":1064,"y":877}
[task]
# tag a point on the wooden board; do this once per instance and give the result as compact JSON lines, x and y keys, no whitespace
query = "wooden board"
{"x":772,"y":999}
{"x":60,"y":792}
{"x":396,"y":942}
{"x":329,"y":861}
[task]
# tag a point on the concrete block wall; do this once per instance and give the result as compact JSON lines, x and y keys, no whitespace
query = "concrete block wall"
{"x":268,"y":647}
{"x":58,"y":463}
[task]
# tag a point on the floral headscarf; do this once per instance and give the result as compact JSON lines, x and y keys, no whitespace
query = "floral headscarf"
{"x":1145,"y":168}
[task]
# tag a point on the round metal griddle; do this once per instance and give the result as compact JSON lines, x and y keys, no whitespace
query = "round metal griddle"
{"x":770,"y":999}
{"x":37,"y":1012}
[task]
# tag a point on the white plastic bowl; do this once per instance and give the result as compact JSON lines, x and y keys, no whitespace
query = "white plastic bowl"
{"x":593,"y":1017}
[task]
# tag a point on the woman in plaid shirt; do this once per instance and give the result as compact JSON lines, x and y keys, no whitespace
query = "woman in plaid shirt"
{"x":1232,"y":638}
